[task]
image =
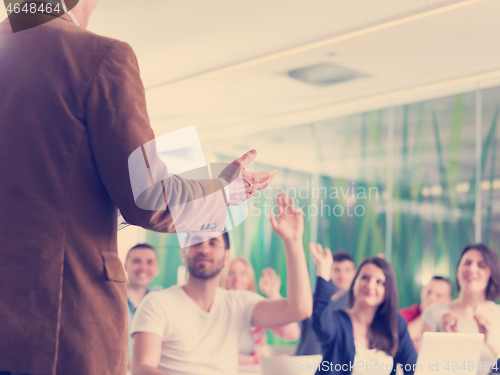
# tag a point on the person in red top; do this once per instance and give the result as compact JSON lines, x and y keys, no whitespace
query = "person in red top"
{"x":436,"y":292}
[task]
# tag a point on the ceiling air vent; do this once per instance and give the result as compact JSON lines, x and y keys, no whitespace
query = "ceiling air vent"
{"x":324,"y":74}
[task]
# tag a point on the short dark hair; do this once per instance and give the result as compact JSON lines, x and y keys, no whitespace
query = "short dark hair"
{"x":140,"y":246}
{"x":441,"y":278}
{"x":342,"y":255}
{"x":383,"y":330}
{"x":492,"y":260}
{"x":225,"y":236}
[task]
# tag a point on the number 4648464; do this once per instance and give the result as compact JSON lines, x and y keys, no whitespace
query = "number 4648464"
{"x":32,"y":8}
{"x":470,"y":366}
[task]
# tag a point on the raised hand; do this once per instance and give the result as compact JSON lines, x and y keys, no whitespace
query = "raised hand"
{"x":270,"y":283}
{"x":449,"y":322}
{"x":486,"y":326}
{"x":290,"y":223}
{"x":322,"y":259}
{"x":253,"y":181}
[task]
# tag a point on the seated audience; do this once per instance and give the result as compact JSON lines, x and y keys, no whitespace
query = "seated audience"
{"x":478,"y":283}
{"x":141,"y":266}
{"x":436,"y":292}
{"x":195,"y":328}
{"x":343,"y":271}
{"x":370,"y":333}
{"x":253,"y":342}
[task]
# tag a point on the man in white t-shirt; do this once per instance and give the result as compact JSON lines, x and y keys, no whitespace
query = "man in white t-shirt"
{"x":194,"y":329}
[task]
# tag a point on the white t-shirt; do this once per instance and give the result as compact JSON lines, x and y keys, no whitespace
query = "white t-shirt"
{"x":371,"y":361}
{"x":195,"y":341}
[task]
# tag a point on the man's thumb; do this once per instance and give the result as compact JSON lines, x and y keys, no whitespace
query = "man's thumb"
{"x":247,"y":158}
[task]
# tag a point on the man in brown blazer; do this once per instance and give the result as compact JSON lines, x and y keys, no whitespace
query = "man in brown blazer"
{"x":72,"y":110}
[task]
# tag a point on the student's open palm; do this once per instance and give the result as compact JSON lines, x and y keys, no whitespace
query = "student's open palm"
{"x":290,"y":223}
{"x":323,"y":260}
{"x":270,"y":283}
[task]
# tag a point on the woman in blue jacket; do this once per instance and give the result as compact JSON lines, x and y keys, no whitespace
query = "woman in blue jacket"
{"x":370,"y":337}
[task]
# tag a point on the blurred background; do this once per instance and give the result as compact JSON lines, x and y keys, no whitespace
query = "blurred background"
{"x":380,"y":116}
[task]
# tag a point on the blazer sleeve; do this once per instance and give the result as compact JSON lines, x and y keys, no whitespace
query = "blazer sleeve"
{"x":324,"y":325}
{"x":118,"y":125}
{"x":406,"y":354}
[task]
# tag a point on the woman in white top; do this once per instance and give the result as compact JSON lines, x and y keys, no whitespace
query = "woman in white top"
{"x":478,"y":281}
{"x":253,"y":343}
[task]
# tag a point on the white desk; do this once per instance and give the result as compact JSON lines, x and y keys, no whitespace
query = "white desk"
{"x":250,"y":370}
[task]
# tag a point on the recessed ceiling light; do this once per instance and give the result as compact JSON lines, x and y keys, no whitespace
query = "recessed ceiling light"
{"x":324,"y":74}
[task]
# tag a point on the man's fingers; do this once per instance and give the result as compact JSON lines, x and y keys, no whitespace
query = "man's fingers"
{"x":258,"y":180}
{"x":255,"y":177}
{"x":246,"y":158}
{"x":261,"y":185}
{"x":250,"y":194}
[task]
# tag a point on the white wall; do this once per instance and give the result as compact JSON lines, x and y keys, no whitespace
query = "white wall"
{"x":129,"y":237}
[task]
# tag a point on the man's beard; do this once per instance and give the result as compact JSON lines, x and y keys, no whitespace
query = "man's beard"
{"x":204,"y":271}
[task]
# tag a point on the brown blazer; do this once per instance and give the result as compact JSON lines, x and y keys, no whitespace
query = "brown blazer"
{"x":72,"y":110}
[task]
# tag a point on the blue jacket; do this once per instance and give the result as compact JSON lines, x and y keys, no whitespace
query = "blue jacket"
{"x":335,"y":333}
{"x":308,"y":344}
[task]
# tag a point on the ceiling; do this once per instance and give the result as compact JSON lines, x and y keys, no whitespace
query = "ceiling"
{"x":220,"y":65}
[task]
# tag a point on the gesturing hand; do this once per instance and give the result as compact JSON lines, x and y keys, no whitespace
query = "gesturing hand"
{"x":485,"y":323}
{"x":253,"y":181}
{"x":449,"y":322}
{"x":270,"y":283}
{"x":290,"y":223}
{"x":323,"y":260}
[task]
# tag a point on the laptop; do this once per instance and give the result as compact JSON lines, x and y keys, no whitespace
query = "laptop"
{"x":449,"y":353}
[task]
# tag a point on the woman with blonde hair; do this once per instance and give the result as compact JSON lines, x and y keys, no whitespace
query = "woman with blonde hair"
{"x":240,"y":275}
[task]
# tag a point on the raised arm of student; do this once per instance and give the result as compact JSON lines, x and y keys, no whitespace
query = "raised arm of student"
{"x":298,"y":305}
{"x":269,"y":286}
{"x":146,"y":354}
{"x":322,"y":321}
